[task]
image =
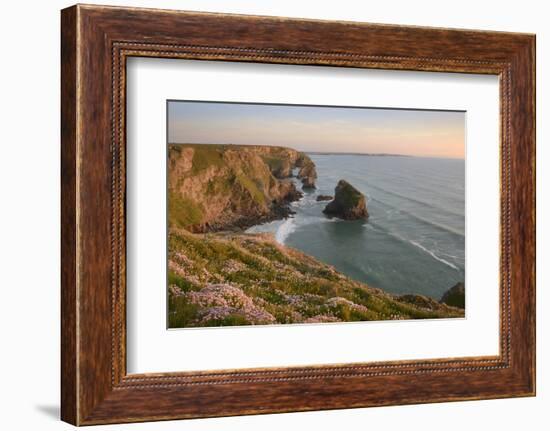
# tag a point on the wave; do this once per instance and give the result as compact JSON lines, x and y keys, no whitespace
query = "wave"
{"x":375,"y":226}
{"x":431,"y":223}
{"x":432,"y":254}
{"x":303,"y":202}
{"x":284,"y":230}
{"x":416,"y":201}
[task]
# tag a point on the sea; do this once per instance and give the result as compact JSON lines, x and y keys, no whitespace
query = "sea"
{"x":412,"y":242}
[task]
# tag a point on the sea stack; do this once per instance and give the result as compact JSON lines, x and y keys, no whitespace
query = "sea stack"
{"x":348,"y":204}
{"x":307,"y":172}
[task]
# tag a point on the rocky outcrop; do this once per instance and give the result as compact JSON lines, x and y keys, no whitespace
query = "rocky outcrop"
{"x":455,"y":296}
{"x":348,"y":204}
{"x":221,"y":187}
{"x":282,"y":161}
{"x":307,"y":173}
{"x":321,"y":198}
{"x":308,"y":183}
{"x":283,"y":170}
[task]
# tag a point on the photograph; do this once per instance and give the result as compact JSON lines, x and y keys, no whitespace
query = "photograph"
{"x":299,"y":214}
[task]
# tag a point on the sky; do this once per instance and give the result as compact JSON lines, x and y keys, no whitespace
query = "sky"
{"x":319,"y":128}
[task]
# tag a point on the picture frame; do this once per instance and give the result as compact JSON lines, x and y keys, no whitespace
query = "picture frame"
{"x":96,"y":42}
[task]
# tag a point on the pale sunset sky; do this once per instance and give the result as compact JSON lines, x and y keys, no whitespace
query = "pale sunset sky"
{"x":324,"y":129}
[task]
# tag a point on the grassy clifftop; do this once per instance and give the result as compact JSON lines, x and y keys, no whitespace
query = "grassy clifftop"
{"x":239,"y":279}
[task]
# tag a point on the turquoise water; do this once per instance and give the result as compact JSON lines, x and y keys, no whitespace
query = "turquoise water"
{"x":413,"y":241}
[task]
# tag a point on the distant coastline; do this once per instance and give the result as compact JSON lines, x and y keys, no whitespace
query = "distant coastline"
{"x":345,"y":153}
{"x":317,"y":153}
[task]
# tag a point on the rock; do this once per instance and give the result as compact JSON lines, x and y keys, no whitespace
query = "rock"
{"x":455,"y":296}
{"x":282,"y":170}
{"x":419,"y":301}
{"x":308,"y":183}
{"x":348,"y":204}
{"x":288,"y":193}
{"x":307,"y":172}
{"x":293,"y":195}
{"x":324,"y":198}
{"x":231,"y":187}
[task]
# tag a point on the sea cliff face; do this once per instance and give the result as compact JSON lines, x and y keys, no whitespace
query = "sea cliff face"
{"x":219,"y":187}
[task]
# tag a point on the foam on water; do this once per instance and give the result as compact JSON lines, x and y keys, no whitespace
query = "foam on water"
{"x":284,"y":230}
{"x":432,"y":254}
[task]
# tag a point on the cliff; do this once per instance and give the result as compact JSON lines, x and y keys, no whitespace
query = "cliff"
{"x":282,"y":161}
{"x":219,"y":187}
{"x":238,"y":279}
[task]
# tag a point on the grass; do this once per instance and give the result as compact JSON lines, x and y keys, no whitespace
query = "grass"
{"x":183,"y":212}
{"x":288,"y":285}
{"x":251,"y":187}
{"x":181,"y":313}
{"x":206,"y":157}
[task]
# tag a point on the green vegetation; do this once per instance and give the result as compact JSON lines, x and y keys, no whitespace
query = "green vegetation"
{"x":207,"y":156}
{"x":275,"y":163}
{"x":252,"y":187}
{"x":219,"y":185}
{"x":223,"y":187}
{"x":348,"y":195}
{"x":182,"y":211}
{"x":238,"y":279}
